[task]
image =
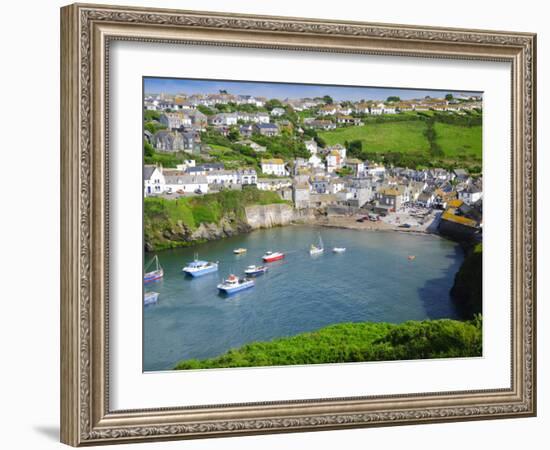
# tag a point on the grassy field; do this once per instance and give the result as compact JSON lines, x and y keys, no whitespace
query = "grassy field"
{"x":456,"y":141}
{"x":356,"y":342}
{"x":382,"y":137}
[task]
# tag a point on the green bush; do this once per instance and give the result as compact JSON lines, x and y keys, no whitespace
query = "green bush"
{"x":357,"y":342}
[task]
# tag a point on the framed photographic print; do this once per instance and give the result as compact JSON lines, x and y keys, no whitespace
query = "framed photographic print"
{"x":281,"y":224}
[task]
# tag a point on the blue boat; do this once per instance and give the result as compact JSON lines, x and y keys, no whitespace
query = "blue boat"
{"x":199,"y":268}
{"x":255,"y":270}
{"x":235,"y":284}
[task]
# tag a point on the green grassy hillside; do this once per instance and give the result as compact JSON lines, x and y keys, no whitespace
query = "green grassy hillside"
{"x":169,"y":222}
{"x":460,"y":144}
{"x":357,"y":342}
{"x":382,"y":137}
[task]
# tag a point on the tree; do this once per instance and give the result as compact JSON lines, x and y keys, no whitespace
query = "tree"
{"x":449,"y":97}
{"x":328,"y":99}
{"x":273,"y":103}
{"x":393,"y":98}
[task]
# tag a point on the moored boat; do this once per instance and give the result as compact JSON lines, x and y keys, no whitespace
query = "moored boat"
{"x":199,"y":268}
{"x":411,"y":257}
{"x":339,"y":249}
{"x":153,"y":275}
{"x":317,"y":249}
{"x":273,"y":256}
{"x":150,"y":298}
{"x":234,"y":284}
{"x":239,"y":251}
{"x":255,"y":270}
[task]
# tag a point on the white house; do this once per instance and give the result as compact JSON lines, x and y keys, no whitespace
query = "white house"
{"x":338,"y":148}
{"x":273,"y":184}
{"x":471,"y":194}
{"x":328,"y":110}
{"x":375,"y":170}
{"x":277,"y":112}
{"x":222,"y":177}
{"x":315,"y":161}
{"x":186,"y":184}
{"x":311,"y":146}
{"x":153,"y":180}
{"x":356,"y":165}
{"x":274,"y":166}
{"x":334,"y":161}
{"x":247,"y":176}
{"x":226,"y":119}
{"x":336,"y":185}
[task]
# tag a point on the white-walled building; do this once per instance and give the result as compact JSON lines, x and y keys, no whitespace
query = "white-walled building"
{"x":153,"y":180}
{"x":334,"y":161}
{"x":277,"y":112}
{"x":273,"y":184}
{"x":274,"y":166}
{"x":222,"y":177}
{"x":311,"y":146}
{"x":186,"y":184}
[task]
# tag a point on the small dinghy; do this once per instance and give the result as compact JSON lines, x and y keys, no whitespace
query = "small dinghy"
{"x":150,"y":298}
{"x":339,"y":249}
{"x":255,"y":270}
{"x":239,"y":251}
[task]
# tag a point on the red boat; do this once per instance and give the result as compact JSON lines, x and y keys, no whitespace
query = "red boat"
{"x":273,"y":256}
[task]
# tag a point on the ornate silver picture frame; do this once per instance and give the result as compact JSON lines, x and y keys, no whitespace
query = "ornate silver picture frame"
{"x":87,"y":32}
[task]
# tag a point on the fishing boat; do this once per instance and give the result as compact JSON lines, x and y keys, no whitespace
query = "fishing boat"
{"x":411,"y":257}
{"x":255,"y":270}
{"x":150,"y":298}
{"x":239,"y":251}
{"x":198,"y":268}
{"x":235,"y":284}
{"x":273,"y":256}
{"x":154,"y":275}
{"x":317,"y":250}
{"x":339,"y":249}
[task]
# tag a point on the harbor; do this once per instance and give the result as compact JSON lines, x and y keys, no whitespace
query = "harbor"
{"x":194,"y":318}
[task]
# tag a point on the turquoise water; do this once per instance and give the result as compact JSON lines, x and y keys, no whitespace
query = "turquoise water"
{"x":372,"y":281}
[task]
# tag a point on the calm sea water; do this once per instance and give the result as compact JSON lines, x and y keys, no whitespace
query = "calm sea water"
{"x":372,"y":281}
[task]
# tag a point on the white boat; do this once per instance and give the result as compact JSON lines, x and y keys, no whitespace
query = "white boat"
{"x":198,"y":268}
{"x":235,"y":284}
{"x":150,"y":298}
{"x":317,"y":250}
{"x":239,"y":251}
{"x":154,"y":275}
{"x":339,"y":249}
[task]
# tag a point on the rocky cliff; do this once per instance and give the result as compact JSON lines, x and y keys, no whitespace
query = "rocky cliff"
{"x":163,"y":233}
{"x":268,"y":216}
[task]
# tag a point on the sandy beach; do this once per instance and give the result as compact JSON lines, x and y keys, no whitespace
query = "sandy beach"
{"x":388,"y":223}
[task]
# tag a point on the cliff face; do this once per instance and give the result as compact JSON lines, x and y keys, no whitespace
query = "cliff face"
{"x":172,"y":234}
{"x":467,"y":288}
{"x":268,"y":216}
